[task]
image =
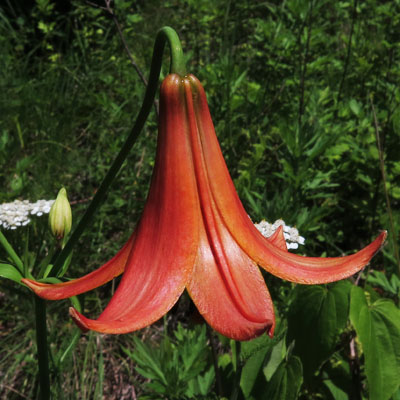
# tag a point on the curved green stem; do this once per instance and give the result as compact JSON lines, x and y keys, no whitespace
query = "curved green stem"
{"x":177,"y":66}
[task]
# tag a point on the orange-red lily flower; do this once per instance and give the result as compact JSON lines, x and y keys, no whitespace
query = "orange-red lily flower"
{"x":195,"y":234}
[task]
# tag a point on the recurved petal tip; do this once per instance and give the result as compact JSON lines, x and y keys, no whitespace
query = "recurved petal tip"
{"x":78,"y":319}
{"x":278,"y":239}
{"x":270,"y":332}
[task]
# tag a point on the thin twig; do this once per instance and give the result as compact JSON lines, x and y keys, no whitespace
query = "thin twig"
{"x":304,"y":65}
{"x":382,"y":167}
{"x":14,"y":390}
{"x":111,"y":12}
{"x":139,"y":164}
{"x":74,"y":202}
{"x":347,"y":61}
{"x":133,"y":62}
{"x":355,"y":369}
{"x":269,"y":106}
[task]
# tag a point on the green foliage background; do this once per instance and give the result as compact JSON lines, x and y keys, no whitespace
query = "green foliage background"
{"x":299,"y":92}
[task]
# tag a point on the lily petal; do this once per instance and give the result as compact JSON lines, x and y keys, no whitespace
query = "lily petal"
{"x":99,"y":277}
{"x":229,"y":290}
{"x":226,"y":286}
{"x":278,"y":239}
{"x":165,"y":249}
{"x":289,"y":266}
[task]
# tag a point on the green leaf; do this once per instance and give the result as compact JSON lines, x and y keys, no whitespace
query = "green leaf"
{"x":10,"y":272}
{"x":275,"y":358}
{"x":355,"y":107}
{"x":145,"y":356}
{"x":11,"y":252}
{"x":71,"y":345}
{"x":378,"y":330}
{"x":337,"y":378}
{"x":378,"y":278}
{"x":205,"y":381}
{"x":253,"y":346}
{"x":251,"y":370}
{"x":396,"y":396}
{"x":336,"y":392}
{"x":316,"y":316}
{"x":285,"y":383}
{"x":43,"y":265}
{"x":65,"y":266}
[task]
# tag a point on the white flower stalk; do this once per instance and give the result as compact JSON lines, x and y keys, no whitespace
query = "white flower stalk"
{"x":19,"y":212}
{"x":292,"y":237}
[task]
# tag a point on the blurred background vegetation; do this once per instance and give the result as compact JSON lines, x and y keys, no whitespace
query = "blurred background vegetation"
{"x":305,"y":98}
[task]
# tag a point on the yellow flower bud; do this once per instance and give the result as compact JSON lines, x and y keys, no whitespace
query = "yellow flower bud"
{"x":60,"y":217}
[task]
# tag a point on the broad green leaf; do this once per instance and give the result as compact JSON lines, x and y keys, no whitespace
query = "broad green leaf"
{"x":10,"y":272}
{"x":316,"y":317}
{"x":251,"y":371}
{"x":286,"y":381}
{"x":275,"y":358}
{"x":251,"y":347}
{"x":378,"y":330}
{"x":396,"y":396}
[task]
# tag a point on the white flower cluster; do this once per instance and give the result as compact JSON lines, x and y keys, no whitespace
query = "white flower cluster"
{"x":17,"y":213}
{"x":292,"y":237}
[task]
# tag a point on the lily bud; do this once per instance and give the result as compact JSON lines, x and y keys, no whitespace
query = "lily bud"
{"x":60,"y":217}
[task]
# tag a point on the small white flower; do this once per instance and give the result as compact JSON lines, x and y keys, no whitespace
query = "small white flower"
{"x":291,"y":235}
{"x":17,"y":213}
{"x":286,"y":236}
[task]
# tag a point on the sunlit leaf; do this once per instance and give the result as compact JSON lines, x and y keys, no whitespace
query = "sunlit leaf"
{"x":10,"y":272}
{"x":286,"y":382}
{"x":378,"y":330}
{"x":316,"y":316}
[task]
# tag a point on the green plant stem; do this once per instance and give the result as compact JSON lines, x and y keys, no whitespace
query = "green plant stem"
{"x":238,"y":371}
{"x":177,"y":66}
{"x":214,"y":353}
{"x":11,"y":252}
{"x":42,"y":349}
